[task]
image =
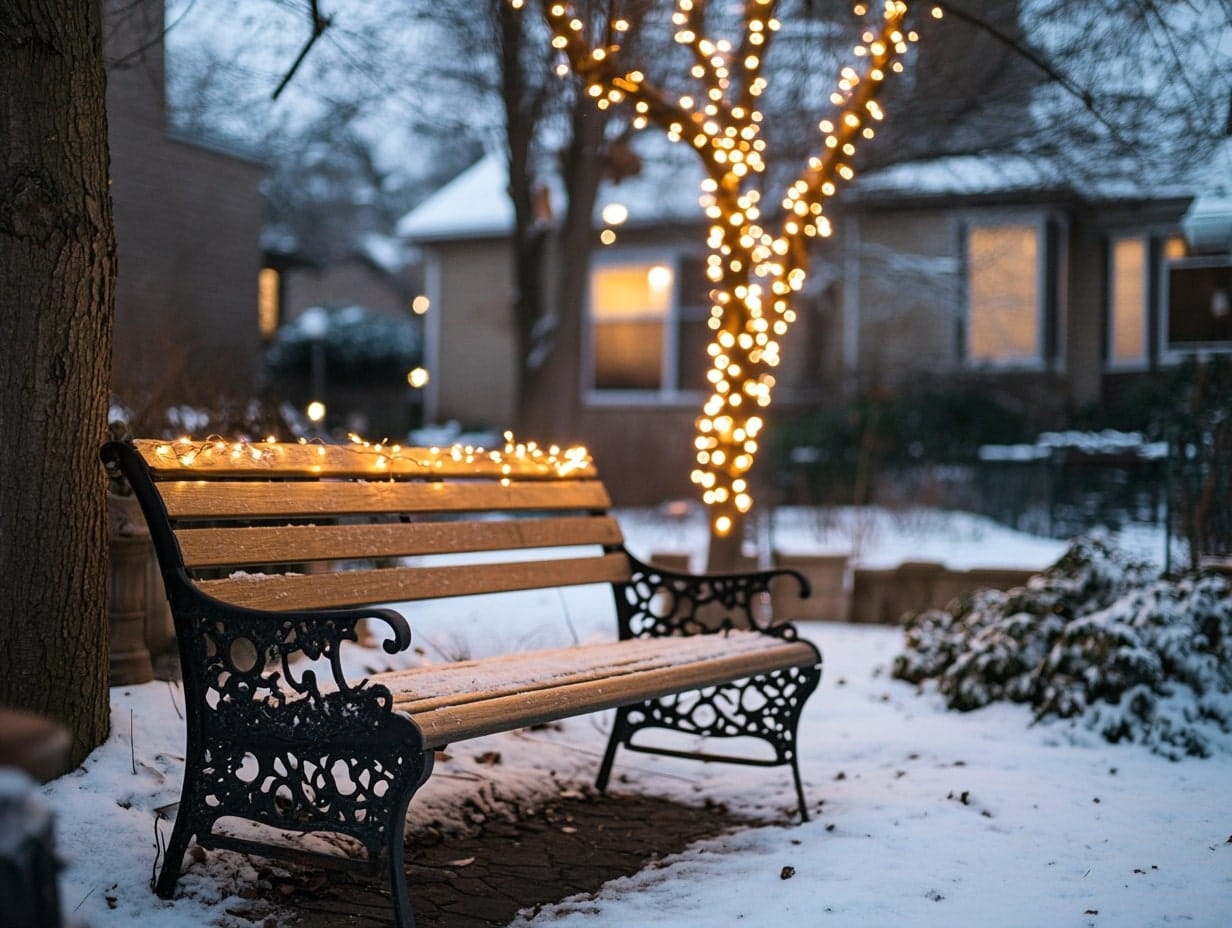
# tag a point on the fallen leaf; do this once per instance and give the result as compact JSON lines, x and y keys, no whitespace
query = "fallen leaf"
{"x":462,"y":862}
{"x":787,"y":873}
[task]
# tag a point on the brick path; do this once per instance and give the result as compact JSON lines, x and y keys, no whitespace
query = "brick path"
{"x":571,"y":846}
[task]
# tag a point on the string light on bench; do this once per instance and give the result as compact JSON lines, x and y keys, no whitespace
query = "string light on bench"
{"x":755,"y":273}
{"x":516,"y":457}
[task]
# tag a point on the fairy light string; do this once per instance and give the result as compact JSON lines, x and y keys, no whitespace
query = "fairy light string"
{"x":380,"y":459}
{"x":755,"y":272}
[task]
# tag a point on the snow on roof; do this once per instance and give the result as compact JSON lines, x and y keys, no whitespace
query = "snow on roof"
{"x":959,"y":175}
{"x":969,"y":175}
{"x":476,"y":204}
{"x":385,"y":251}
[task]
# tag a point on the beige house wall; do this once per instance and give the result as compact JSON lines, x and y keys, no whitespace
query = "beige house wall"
{"x":351,"y":283}
{"x":909,"y":294}
{"x":1082,"y":323}
{"x":471,"y":341}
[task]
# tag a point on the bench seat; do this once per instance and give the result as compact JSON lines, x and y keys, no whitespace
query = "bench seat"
{"x":467,"y":699}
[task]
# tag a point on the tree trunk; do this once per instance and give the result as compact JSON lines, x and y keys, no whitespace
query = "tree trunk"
{"x":57,"y":278}
{"x":551,"y":392}
{"x":524,"y":100}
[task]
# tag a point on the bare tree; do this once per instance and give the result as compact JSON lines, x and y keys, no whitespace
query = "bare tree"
{"x":57,"y":278}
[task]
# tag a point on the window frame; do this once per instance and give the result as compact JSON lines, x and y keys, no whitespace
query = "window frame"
{"x":1050,"y":235}
{"x":1169,"y":354}
{"x":1153,"y":262}
{"x":669,"y":392}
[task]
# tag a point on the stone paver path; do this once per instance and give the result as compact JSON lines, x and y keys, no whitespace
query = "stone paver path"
{"x":571,"y":846}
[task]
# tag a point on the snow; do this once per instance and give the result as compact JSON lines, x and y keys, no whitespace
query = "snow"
{"x":476,"y":204}
{"x":922,"y":816}
{"x":960,"y":174}
{"x":1107,"y":441}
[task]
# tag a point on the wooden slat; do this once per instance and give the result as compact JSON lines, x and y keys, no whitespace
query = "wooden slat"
{"x":212,"y":459}
{"x":216,"y":547}
{"x":434,"y":686}
{"x":398,"y":584}
{"x":275,"y":500}
{"x":604,"y":684}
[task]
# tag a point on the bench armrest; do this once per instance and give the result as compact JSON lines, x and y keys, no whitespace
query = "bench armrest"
{"x":657,"y":601}
{"x":249,"y":655}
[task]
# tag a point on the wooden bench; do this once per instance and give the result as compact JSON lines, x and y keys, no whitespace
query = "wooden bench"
{"x":271,"y":554}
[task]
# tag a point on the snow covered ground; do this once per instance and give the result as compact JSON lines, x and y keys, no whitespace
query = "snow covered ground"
{"x":922,"y":816}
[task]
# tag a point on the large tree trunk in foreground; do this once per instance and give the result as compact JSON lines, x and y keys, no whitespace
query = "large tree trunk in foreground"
{"x":57,"y":277}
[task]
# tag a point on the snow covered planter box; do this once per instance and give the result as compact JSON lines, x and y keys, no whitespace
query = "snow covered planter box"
{"x":1097,"y":639}
{"x":279,"y":738}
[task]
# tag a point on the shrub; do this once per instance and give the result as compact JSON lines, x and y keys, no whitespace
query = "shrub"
{"x":1097,"y":639}
{"x":361,"y":347}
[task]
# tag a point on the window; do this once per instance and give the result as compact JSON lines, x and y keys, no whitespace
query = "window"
{"x":268,"y":310}
{"x":648,"y":325}
{"x":1199,"y":300}
{"x":1005,"y":312}
{"x":1128,"y":307}
{"x":1162,"y":302}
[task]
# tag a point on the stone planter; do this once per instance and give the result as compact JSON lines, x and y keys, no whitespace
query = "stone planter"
{"x":826,"y":574}
{"x":886,"y":595}
{"x":128,"y":542}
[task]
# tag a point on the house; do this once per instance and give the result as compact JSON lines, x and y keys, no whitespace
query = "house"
{"x":995,"y":268}
{"x":958,"y":270}
{"x":995,"y":272}
{"x":187,"y":220}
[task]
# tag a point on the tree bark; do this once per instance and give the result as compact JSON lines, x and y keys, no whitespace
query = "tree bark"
{"x":551,"y":391}
{"x":57,"y":278}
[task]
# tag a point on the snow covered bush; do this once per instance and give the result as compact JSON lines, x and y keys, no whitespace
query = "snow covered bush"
{"x":1096,"y":638}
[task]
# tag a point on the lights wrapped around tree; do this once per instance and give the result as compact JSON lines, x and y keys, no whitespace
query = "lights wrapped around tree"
{"x":755,"y":272}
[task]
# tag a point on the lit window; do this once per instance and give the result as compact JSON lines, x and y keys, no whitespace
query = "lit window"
{"x":1174,"y":248}
{"x":267,"y":302}
{"x":1127,"y":302}
{"x":1004,"y":317}
{"x":648,"y":325}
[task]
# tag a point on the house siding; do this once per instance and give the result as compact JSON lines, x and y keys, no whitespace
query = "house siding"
{"x":187,"y":225}
{"x":909,"y":294}
{"x":473,"y":352}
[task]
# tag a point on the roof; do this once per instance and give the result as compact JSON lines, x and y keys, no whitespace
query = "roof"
{"x":974,"y":175}
{"x":476,"y":203}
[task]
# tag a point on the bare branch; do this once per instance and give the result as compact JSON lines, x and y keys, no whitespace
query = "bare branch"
{"x":319,"y":25}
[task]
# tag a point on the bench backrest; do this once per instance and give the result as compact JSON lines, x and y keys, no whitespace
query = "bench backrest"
{"x":282,"y":526}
